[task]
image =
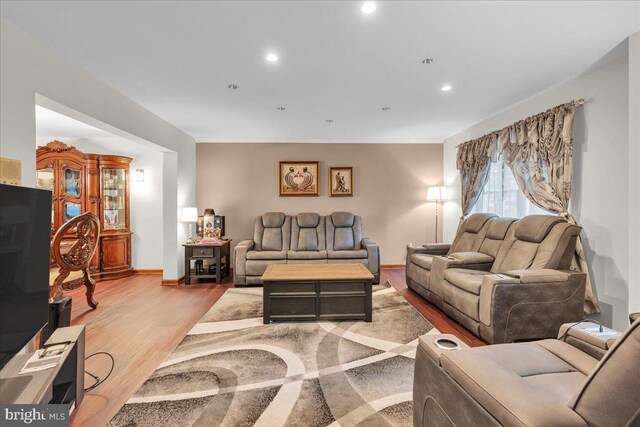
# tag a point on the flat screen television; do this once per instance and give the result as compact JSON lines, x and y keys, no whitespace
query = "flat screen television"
{"x":25,"y":233}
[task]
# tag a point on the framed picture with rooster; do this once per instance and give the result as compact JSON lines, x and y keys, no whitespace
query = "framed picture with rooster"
{"x":298,"y":178}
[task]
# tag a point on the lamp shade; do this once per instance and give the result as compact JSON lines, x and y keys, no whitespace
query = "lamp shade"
{"x":436,"y":193}
{"x":189,"y":214}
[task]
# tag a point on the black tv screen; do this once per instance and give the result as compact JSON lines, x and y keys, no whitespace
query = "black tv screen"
{"x":25,"y":233}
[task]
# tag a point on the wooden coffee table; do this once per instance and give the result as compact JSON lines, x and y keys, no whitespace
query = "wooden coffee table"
{"x":317,"y":292}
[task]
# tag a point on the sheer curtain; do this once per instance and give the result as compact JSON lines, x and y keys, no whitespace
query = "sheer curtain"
{"x":501,"y":195}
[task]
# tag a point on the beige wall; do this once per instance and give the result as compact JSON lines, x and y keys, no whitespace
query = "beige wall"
{"x":240,"y":181}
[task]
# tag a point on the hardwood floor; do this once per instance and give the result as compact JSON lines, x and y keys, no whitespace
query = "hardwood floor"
{"x":437,"y":318}
{"x":140,"y":322}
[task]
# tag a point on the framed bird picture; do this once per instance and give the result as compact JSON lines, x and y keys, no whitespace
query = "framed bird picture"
{"x":298,"y":178}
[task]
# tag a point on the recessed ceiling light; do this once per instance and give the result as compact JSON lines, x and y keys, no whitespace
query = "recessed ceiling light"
{"x":272,"y":57}
{"x":368,"y":7}
{"x":281,"y":108}
{"x":386,"y":108}
{"x":329,"y":121}
{"x":426,"y":61}
{"x":446,"y":88}
{"x":233,"y":87}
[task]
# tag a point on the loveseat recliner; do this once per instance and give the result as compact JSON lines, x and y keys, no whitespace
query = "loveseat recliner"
{"x":578,"y":379}
{"x":503,"y":279}
{"x":306,"y":238}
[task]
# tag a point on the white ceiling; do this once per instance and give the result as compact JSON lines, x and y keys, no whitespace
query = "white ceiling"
{"x":177,"y":58}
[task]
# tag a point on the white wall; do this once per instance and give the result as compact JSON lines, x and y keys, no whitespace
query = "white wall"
{"x":600,"y":178}
{"x":146,"y":197}
{"x":634,"y":173}
{"x":29,"y":70}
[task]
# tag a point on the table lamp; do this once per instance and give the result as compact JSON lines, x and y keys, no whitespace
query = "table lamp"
{"x":190,"y":215}
{"x":437,"y":193}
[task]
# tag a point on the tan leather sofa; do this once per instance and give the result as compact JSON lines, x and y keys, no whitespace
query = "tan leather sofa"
{"x":306,"y":238}
{"x":503,"y":279}
{"x":553,"y":382}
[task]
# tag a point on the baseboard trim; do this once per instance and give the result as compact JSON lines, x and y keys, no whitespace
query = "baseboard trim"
{"x":172,"y":282}
{"x":392,"y":266}
{"x":147,"y":271}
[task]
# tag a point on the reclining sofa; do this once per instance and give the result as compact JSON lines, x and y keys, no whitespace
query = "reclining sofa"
{"x":503,"y":279}
{"x":306,"y":238}
{"x":577,"y":379}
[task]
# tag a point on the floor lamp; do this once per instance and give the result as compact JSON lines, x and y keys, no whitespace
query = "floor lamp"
{"x":436,"y":194}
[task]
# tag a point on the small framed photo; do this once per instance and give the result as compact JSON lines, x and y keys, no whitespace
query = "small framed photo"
{"x":200,"y":228}
{"x":341,"y":181}
{"x":298,"y":178}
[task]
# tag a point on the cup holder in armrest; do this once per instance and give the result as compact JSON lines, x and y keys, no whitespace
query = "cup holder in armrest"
{"x":447,"y":344}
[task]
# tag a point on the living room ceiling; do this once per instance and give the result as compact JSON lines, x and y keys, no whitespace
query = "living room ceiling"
{"x":337,"y":68}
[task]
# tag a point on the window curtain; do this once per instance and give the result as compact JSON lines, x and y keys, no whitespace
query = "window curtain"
{"x":473,"y":161}
{"x":538,"y":150}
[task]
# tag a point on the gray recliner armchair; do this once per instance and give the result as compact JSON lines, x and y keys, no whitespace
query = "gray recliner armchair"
{"x":576,"y":380}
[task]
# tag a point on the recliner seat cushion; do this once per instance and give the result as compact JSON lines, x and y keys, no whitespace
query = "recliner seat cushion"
{"x":522,"y":383}
{"x":465,"y":279}
{"x":308,"y":240}
{"x":343,"y":231}
{"x":307,"y":232}
{"x":272,"y":232}
{"x":343,"y":239}
{"x":423,"y":260}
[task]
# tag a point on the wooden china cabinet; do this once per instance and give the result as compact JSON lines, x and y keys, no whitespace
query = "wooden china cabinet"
{"x":97,"y":183}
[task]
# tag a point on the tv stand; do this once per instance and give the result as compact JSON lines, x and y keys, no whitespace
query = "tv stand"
{"x":63,"y":384}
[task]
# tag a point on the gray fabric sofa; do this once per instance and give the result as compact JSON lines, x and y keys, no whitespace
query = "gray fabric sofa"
{"x":307,"y":238}
{"x":503,"y":279}
{"x":553,"y":382}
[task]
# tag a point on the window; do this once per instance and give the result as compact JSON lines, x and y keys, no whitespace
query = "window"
{"x":501,"y":195}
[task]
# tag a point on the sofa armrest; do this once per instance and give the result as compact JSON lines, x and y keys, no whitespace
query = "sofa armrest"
{"x":545,"y":275}
{"x":586,"y":336}
{"x":373,"y":254}
{"x":529,"y":304}
{"x":240,"y":257}
{"x":437,"y":248}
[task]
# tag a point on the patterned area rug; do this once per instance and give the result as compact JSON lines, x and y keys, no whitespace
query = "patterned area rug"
{"x":232,"y":370}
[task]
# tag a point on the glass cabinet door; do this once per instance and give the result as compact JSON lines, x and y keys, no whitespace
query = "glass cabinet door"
{"x":114,"y":199}
{"x":72,"y":181}
{"x":70,"y":210}
{"x":45,"y":180}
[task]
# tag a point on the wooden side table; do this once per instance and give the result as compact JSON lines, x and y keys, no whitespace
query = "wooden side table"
{"x":199,"y":252}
